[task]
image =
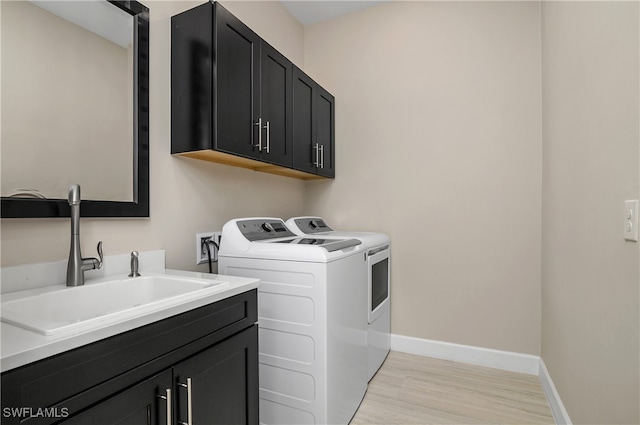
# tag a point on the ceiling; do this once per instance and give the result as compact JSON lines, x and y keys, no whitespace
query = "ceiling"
{"x":309,"y":12}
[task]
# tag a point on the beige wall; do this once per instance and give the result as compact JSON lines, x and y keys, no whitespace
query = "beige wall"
{"x":187,"y":196}
{"x":590,"y":298}
{"x":438,"y":145}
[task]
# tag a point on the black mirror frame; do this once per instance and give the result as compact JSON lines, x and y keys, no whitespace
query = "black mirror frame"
{"x":139,"y":207}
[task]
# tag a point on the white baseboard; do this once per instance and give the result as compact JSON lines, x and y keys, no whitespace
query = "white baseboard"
{"x":505,"y":360}
{"x":560,"y":415}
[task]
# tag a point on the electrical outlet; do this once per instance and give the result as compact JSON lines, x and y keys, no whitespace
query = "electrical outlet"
{"x":201,"y":250}
{"x":201,"y":253}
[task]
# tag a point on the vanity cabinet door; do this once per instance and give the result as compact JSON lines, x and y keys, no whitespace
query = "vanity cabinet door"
{"x":224,"y":382}
{"x":142,"y":404}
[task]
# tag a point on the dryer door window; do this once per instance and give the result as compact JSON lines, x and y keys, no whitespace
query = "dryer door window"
{"x":378,"y":282}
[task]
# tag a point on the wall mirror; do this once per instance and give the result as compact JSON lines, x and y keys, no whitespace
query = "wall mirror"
{"x":75,"y":107}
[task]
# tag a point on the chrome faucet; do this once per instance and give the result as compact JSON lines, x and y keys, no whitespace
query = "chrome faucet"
{"x":77,"y":265}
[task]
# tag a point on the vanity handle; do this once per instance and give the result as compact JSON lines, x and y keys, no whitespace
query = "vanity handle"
{"x":169,"y":403}
{"x":268,"y":133}
{"x":321,"y":156}
{"x":189,"y":402}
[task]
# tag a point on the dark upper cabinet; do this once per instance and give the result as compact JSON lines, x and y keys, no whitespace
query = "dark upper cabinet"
{"x":232,"y":98}
{"x":313,"y":126}
{"x":230,"y":90}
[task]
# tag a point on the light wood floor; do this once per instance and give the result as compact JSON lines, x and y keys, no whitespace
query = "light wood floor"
{"x":412,"y":389}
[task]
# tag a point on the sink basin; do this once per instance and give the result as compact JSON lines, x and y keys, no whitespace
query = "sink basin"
{"x":74,"y":309}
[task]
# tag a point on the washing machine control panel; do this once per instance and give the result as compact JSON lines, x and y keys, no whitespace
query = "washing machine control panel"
{"x":312,"y":225}
{"x":261,"y":229}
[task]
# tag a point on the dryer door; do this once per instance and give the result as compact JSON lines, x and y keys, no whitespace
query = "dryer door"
{"x":379,"y":277}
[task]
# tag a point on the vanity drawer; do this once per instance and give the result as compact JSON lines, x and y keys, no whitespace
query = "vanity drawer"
{"x":73,"y":380}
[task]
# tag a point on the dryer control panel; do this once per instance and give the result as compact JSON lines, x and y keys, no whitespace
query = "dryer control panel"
{"x":261,"y":229}
{"x":311,"y":225}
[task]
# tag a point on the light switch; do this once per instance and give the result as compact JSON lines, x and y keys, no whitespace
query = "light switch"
{"x":631,"y":220}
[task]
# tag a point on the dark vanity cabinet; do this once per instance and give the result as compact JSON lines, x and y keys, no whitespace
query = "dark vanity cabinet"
{"x":140,"y":404}
{"x":202,"y":363}
{"x":313,"y":126}
{"x":232,"y":95}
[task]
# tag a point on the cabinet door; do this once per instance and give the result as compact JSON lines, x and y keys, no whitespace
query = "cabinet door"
{"x":139,"y":405}
{"x":325,"y":132}
{"x":224,"y":382}
{"x":313,"y":126}
{"x":276,"y":99}
{"x":192,"y":80}
{"x":237,"y":89}
{"x":304,"y":91}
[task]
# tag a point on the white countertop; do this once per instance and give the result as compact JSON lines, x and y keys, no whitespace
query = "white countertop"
{"x":20,"y":346}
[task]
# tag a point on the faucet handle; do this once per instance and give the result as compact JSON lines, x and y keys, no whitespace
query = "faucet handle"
{"x":99,"y":247}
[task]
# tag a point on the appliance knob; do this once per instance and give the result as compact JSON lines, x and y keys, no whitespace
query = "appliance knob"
{"x":267,"y":226}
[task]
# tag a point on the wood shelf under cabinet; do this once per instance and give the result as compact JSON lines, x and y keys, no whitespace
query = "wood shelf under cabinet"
{"x":238,"y":161}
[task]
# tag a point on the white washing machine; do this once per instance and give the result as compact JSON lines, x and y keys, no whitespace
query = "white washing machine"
{"x":312,"y":316}
{"x":378,"y":276}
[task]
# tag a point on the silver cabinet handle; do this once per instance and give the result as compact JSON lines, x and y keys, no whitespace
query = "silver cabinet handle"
{"x":259,"y":125}
{"x":321,"y":156}
{"x":268,"y":134}
{"x":169,"y":403}
{"x":189,"y":402}
{"x":316,"y":162}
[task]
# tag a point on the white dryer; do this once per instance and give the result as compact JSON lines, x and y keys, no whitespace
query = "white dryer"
{"x":377,"y":248}
{"x":312,"y":315}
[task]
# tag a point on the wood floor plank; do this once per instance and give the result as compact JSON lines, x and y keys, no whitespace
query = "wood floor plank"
{"x":411,"y":389}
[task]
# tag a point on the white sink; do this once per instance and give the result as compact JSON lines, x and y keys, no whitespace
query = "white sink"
{"x":75,"y":309}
